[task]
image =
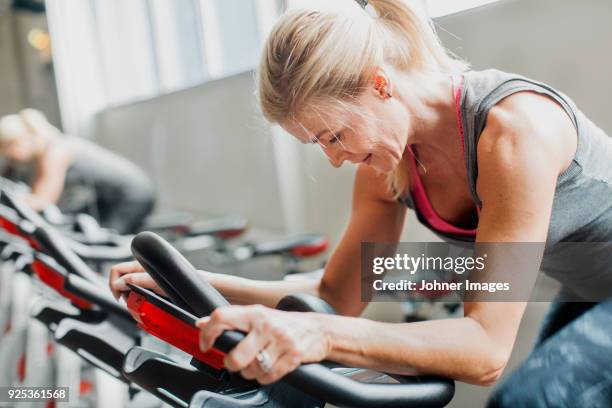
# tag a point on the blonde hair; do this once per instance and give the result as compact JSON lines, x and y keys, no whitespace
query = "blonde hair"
{"x":37,"y":122}
{"x":11,"y":128}
{"x":331,"y":55}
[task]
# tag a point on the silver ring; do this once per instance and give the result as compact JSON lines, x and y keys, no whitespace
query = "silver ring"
{"x":264,"y":361}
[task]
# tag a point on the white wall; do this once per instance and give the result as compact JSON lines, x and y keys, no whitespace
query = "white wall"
{"x":206,"y":147}
{"x":565,"y":43}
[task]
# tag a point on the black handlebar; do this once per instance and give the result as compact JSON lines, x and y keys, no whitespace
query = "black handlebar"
{"x":51,"y":241}
{"x":98,"y":296}
{"x":176,"y":275}
{"x":182,"y":284}
{"x":57,"y":247}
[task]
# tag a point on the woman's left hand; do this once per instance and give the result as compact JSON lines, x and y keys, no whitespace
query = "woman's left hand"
{"x":284,"y":339}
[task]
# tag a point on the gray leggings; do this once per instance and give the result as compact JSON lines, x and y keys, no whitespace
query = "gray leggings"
{"x":571,"y":364}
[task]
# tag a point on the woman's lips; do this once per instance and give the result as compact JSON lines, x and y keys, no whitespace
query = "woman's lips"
{"x":368,"y":159}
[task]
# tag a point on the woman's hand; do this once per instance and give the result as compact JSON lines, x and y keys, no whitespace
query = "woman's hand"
{"x":287,"y":339}
{"x":132,"y":273}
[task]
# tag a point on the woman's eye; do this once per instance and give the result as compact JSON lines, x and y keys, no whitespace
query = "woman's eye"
{"x":335,"y":139}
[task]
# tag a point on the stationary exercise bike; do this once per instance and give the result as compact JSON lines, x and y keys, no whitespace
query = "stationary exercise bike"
{"x":92,"y":325}
{"x":205,"y":382}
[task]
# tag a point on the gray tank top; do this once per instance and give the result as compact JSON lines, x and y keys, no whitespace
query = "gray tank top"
{"x":582,"y":208}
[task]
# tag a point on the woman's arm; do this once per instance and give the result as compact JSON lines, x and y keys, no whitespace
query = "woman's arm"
{"x":517,"y":181}
{"x":50,"y":176}
{"x":375,"y":217}
{"x":518,"y":169}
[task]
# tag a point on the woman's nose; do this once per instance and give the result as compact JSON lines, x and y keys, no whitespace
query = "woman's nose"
{"x":336,"y":155}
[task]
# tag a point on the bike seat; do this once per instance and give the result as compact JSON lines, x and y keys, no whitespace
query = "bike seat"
{"x":305,"y":303}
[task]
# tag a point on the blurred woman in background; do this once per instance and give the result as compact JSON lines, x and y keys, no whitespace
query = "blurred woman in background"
{"x":74,"y":174}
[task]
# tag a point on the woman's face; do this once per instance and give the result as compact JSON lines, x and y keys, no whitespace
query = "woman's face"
{"x":373,"y":131}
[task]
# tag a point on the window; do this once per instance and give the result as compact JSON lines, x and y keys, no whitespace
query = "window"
{"x":148,"y":47}
{"x":112,"y":52}
{"x":236,"y":35}
{"x":176,"y":42}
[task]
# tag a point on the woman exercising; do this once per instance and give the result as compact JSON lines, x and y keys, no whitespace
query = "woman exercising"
{"x":77,"y":175}
{"x":483,"y":156}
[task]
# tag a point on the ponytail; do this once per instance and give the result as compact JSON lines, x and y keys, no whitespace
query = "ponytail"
{"x":412,"y":42}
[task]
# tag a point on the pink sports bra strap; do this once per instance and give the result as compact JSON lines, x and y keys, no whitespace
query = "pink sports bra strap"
{"x":457,"y":91}
{"x":419,"y":195}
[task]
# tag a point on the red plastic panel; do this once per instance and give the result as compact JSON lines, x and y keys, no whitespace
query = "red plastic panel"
{"x":13,"y":229}
{"x":172,"y":330}
{"x":316,"y":248}
{"x":55,"y":280}
{"x":9,"y":226}
{"x":21,"y":367}
{"x":231,"y":233}
{"x":180,"y":229}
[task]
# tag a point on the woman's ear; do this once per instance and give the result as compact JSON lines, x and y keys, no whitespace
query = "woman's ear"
{"x":382,"y":85}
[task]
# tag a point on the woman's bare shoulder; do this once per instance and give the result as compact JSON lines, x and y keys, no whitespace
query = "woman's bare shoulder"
{"x":529,"y":122}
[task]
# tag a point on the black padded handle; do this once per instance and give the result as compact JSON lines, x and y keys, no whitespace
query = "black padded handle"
{"x":58,"y":247}
{"x":171,"y":270}
{"x":51,"y":241}
{"x":176,"y":275}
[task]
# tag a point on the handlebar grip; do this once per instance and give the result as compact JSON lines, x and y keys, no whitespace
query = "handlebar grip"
{"x":171,"y":270}
{"x":57,"y":247}
{"x":51,"y":241}
{"x":176,"y":275}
